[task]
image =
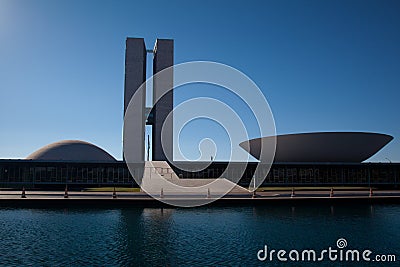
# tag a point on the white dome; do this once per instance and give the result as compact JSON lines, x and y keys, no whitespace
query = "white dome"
{"x":71,"y":150}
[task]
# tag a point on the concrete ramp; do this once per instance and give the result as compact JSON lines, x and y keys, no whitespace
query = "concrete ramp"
{"x":160,"y":177}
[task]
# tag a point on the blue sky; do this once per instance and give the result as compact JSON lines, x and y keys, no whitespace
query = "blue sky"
{"x":323,"y":65}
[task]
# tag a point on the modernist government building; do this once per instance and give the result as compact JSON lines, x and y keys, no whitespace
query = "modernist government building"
{"x":308,"y":159}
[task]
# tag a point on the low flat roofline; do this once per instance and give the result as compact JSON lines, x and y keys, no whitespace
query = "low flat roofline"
{"x":202,"y":162}
{"x":296,"y":163}
{"x":57,"y":161}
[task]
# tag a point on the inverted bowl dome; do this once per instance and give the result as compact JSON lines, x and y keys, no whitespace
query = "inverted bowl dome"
{"x":71,"y":150}
{"x":320,"y":147}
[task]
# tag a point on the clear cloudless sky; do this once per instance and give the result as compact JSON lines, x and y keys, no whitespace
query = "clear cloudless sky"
{"x":323,"y":65}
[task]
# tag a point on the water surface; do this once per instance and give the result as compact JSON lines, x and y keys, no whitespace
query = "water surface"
{"x":207,"y":236}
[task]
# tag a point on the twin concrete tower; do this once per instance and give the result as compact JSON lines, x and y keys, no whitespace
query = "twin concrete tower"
{"x":135,"y":76}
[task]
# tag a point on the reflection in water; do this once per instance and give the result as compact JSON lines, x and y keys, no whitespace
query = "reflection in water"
{"x":144,"y":236}
{"x":189,"y":237}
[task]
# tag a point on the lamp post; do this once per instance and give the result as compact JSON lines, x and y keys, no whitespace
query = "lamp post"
{"x":148,"y":147}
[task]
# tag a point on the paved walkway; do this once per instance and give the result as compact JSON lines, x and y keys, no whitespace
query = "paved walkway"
{"x":30,"y":194}
{"x":159,"y":176}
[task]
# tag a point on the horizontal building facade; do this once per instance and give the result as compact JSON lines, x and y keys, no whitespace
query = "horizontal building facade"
{"x":40,"y":174}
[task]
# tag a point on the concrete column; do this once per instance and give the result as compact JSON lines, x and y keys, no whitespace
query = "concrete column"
{"x":163,"y":58}
{"x":135,"y":75}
